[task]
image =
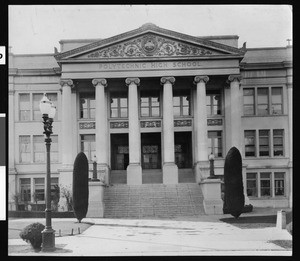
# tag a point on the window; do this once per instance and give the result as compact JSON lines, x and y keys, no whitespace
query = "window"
{"x":264,"y":147}
{"x":215,"y":143}
{"x":38,"y":149}
{"x":24,"y":106}
{"x":39,"y":189}
{"x":25,"y":189}
{"x":278,"y":142}
{"x":249,"y":101}
{"x":119,"y":105}
{"x":87,"y":105}
{"x":88,"y":145}
{"x":252,"y":184}
{"x":250,"y":143}
{"x":27,"y":108}
{"x":181,"y":103}
{"x":279,"y":183}
{"x":150,"y":106}
{"x":276,"y":100}
{"x":54,"y":186}
{"x":262,"y":101}
{"x":54,"y":149}
{"x":25,"y":151}
{"x":213,"y":104}
{"x":265,"y":184}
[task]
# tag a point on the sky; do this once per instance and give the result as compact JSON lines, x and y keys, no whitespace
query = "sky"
{"x":38,"y":29}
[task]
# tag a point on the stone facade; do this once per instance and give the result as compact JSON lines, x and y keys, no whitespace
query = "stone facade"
{"x":152,"y":80}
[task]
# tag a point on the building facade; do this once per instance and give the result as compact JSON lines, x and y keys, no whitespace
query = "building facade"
{"x":149,"y":106}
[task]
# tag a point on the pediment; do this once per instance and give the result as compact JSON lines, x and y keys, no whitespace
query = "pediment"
{"x":147,"y":42}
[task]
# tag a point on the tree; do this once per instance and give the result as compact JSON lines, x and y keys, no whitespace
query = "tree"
{"x":80,"y":186}
{"x":234,"y":199}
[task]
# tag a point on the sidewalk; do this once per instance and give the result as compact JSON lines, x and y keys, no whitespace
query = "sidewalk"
{"x":128,"y":237}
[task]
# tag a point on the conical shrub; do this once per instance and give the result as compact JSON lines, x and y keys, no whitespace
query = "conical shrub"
{"x":234,"y":199}
{"x":80,"y":186}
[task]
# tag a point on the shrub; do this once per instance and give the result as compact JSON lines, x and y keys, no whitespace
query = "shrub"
{"x":234,"y":199}
{"x":33,"y":234}
{"x":80,"y":186}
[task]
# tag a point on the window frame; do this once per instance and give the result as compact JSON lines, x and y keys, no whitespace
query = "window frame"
{"x":119,"y":107}
{"x":254,"y":145}
{"x":277,"y":136}
{"x":259,"y":143}
{"x":211,"y":147}
{"x":150,"y":106}
{"x":256,"y":184}
{"x":211,"y":105}
{"x":248,"y":104}
{"x":90,"y":153}
{"x":88,"y":97}
{"x":22,"y":189}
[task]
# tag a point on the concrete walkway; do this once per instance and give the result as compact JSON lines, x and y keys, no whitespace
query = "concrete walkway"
{"x":124,"y":237}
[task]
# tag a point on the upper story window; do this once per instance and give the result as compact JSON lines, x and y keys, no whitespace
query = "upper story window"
{"x":263,"y":101}
{"x":25,"y":149}
{"x":264,"y":143}
{"x":181,"y":103}
{"x":278,"y":142}
{"x":118,"y":105}
{"x":215,"y":143}
{"x":87,"y":105}
{"x":150,"y":105}
{"x":213,"y":104}
{"x":29,"y":106}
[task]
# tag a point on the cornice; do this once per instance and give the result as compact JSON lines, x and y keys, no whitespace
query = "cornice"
{"x":266,"y":65}
{"x":29,"y":72}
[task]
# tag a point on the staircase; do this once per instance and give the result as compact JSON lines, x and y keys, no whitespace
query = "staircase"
{"x":153,"y":201}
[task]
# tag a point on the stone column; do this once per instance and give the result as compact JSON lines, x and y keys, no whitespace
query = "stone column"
{"x":101,"y":128}
{"x":290,"y":164}
{"x":170,"y":169}
{"x":202,"y":167}
{"x":235,"y":122}
{"x":134,"y":169}
{"x":66,"y":171}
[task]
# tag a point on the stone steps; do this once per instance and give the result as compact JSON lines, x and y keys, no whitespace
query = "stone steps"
{"x":153,"y":201}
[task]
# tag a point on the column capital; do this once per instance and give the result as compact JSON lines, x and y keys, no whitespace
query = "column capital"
{"x":201,"y":78}
{"x":164,"y":80}
{"x":101,"y":81}
{"x":64,"y":82}
{"x":234,"y":77}
{"x":129,"y":81}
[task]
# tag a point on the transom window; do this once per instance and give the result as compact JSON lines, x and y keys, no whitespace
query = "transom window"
{"x":213,"y":104}
{"x":263,"y":101}
{"x":215,"y":143}
{"x":87,"y":105}
{"x":119,"y":106}
{"x":88,"y":145}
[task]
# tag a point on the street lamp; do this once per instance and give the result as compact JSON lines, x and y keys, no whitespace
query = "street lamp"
{"x":211,"y":159}
{"x":95,"y":169}
{"x":48,"y":111}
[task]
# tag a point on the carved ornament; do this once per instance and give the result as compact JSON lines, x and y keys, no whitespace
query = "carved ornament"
{"x":182,"y":123}
{"x":150,"y":124}
{"x":198,"y":79}
{"x":165,"y":80}
{"x":119,"y":125}
{"x":87,"y":125}
{"x":129,"y":81}
{"x":102,"y":81}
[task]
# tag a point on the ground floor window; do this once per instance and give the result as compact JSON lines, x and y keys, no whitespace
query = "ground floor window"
{"x":215,"y":143}
{"x":265,"y":184}
{"x":25,"y":189}
{"x":88,"y":145}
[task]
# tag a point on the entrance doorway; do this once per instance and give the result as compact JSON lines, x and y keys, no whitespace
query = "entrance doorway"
{"x":119,"y":158}
{"x":151,"y":157}
{"x":184,"y":157}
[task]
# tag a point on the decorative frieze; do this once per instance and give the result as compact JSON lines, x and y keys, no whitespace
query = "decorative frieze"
{"x":214,"y":122}
{"x":119,"y":125}
{"x":182,"y":123}
{"x":150,"y":124}
{"x":87,"y":125}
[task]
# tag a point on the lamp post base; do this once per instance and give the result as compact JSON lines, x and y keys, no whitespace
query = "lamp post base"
{"x":48,"y":238}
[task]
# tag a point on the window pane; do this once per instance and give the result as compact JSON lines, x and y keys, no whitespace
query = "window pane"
{"x":123,"y":102}
{"x":185,"y":100}
{"x":276,"y":95}
{"x":92,"y":113}
{"x":114,"y":113}
{"x":185,"y":111}
{"x":24,"y":107}
{"x":176,"y":111}
{"x":276,"y":108}
{"x":155,"y":111}
{"x":251,"y":175}
{"x":25,"y":150}
{"x":262,"y":109}
{"x":176,"y":101}
{"x":36,"y":106}
{"x":144,"y":112}
{"x":145,"y":102}
{"x":155,"y":101}
{"x":123,"y":112}
{"x":114,"y":103}
{"x":265,"y":175}
{"x":262,"y":95}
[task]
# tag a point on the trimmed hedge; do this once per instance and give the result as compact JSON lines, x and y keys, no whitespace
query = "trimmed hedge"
{"x":80,"y":186}
{"x":33,"y":234}
{"x":39,"y":214}
{"x":234,"y":199}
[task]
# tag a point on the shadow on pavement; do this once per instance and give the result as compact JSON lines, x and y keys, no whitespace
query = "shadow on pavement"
{"x":251,"y":221}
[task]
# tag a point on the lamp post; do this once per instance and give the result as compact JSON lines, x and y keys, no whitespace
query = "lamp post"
{"x":48,"y":111}
{"x":211,"y":159}
{"x":95,"y":169}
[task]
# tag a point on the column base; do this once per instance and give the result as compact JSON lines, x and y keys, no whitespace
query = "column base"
{"x":104,"y":172}
{"x":48,"y":237}
{"x":96,"y":200}
{"x":170,"y":173}
{"x":211,"y":189}
{"x":201,"y":170}
{"x":134,"y":174}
